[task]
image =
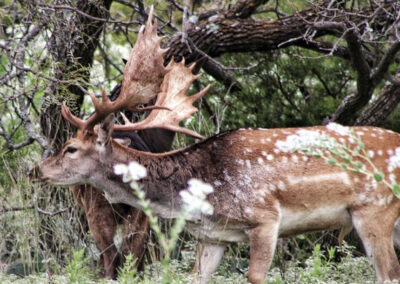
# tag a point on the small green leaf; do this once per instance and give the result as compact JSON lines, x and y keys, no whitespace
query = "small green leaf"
{"x":347,"y":159}
{"x":357,"y":165}
{"x":344,"y":166}
{"x":378,"y":176}
{"x":331,"y":161}
{"x":396,"y":190}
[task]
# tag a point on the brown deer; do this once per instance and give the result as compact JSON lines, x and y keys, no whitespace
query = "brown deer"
{"x":261,"y":191}
{"x":105,"y":219}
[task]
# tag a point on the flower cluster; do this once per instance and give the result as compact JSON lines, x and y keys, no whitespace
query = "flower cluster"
{"x":133,"y":171}
{"x":305,"y":140}
{"x":394,"y":161}
{"x":339,"y":129}
{"x":194,"y":198}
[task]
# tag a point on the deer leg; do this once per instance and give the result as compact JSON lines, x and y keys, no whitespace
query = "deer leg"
{"x":208,"y":257}
{"x":263,"y":239}
{"x":396,"y":234}
{"x":378,"y":243}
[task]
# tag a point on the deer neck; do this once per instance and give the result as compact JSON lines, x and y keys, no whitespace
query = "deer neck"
{"x":167,"y":175}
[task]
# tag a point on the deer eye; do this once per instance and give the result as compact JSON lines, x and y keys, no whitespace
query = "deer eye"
{"x":70,"y":150}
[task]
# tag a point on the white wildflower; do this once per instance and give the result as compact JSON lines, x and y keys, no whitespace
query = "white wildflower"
{"x":120,"y":169}
{"x":394,"y":160}
{"x":305,"y":140}
{"x":133,"y":171}
{"x":339,"y":129}
{"x":137,"y":171}
{"x":194,"y":199}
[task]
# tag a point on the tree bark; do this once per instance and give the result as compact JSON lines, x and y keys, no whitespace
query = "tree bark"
{"x":72,"y":45}
{"x":380,"y":109}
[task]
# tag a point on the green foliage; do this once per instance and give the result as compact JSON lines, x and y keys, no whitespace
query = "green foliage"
{"x":77,"y":269}
{"x":127,"y":274}
{"x":281,"y":89}
{"x":317,"y":268}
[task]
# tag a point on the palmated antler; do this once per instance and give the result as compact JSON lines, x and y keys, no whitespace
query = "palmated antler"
{"x":144,"y":77}
{"x":173,"y":97}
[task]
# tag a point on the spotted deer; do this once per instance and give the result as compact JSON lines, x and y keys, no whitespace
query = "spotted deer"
{"x":262,"y":190}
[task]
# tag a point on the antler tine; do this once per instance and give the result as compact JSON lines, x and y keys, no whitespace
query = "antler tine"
{"x":75,"y":121}
{"x":102,"y":109}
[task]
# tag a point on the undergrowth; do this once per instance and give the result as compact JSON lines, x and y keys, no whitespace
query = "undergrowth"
{"x":318,"y":268}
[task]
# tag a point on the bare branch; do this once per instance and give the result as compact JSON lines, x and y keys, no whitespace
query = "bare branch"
{"x":385,"y":62}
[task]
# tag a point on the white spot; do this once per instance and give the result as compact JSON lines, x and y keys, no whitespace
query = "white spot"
{"x":227,"y":176}
{"x":390,"y":152}
{"x":242,"y":138}
{"x":360,"y":133}
{"x":304,"y":158}
{"x":392,"y":178}
{"x":264,"y":153}
{"x":268,"y":139}
{"x":295,"y":159}
{"x":272,"y":187}
{"x":356,"y":179}
{"x":251,"y":140}
{"x":337,"y":177}
{"x":281,"y":185}
{"x":248,"y":210}
{"x":217,"y":183}
{"x":275,"y":135}
{"x":373,"y":135}
{"x":276,"y":151}
{"x":248,"y":150}
{"x":248,"y":164}
{"x":371,"y":153}
{"x":380,"y":202}
{"x":240,"y":162}
{"x":363,"y":198}
{"x":270,"y":157}
{"x":380,"y":152}
{"x":285,"y":160}
{"x":260,"y":161}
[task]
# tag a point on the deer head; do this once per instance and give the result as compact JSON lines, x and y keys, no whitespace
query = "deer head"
{"x":262,"y":191}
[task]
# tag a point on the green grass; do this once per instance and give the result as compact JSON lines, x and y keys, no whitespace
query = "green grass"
{"x":316,"y":269}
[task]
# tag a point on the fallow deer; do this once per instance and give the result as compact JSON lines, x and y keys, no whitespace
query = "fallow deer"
{"x":261,"y":191}
{"x":105,"y":219}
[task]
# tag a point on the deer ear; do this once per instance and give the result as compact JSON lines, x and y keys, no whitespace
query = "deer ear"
{"x":105,"y":130}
